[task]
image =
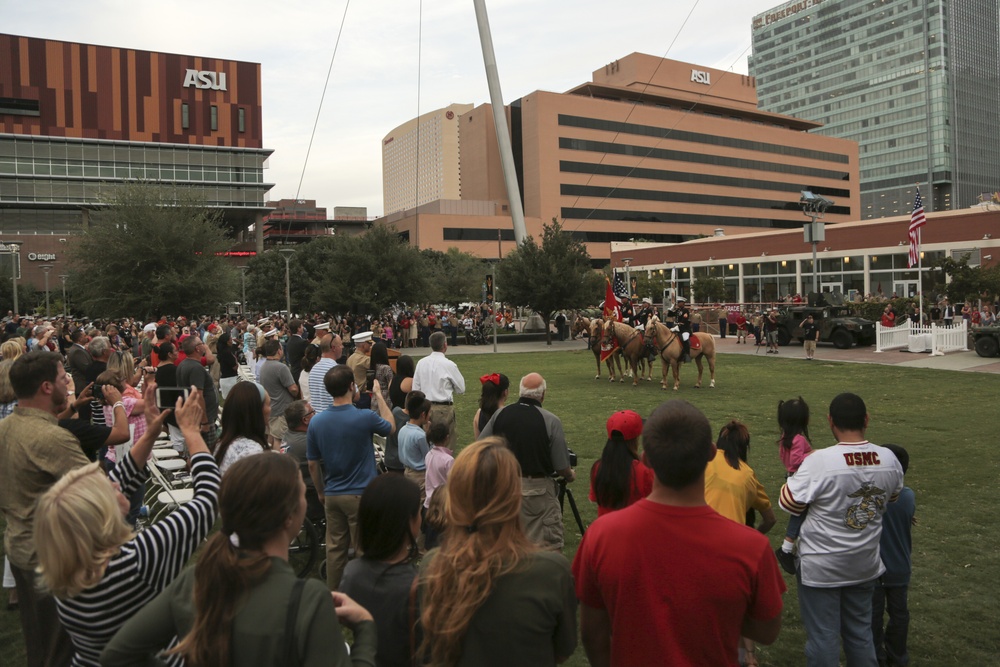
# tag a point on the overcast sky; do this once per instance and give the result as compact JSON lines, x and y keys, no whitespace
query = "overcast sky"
{"x":540,"y":45}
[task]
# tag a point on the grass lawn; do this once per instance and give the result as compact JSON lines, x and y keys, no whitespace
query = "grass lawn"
{"x":943,"y":418}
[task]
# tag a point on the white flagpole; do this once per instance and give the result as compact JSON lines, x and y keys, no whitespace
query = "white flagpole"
{"x":920,"y":265}
{"x":920,"y":277}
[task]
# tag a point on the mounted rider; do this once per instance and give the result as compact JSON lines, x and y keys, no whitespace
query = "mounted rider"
{"x":682,"y":319}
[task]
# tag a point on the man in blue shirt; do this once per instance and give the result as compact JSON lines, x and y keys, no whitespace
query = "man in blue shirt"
{"x":341,"y":437}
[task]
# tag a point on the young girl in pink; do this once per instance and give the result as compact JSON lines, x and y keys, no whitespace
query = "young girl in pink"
{"x":793,"y":447}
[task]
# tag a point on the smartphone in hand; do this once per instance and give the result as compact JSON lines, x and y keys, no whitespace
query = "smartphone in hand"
{"x":166,"y":397}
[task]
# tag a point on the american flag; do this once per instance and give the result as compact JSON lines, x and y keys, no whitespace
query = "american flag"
{"x":620,"y":288}
{"x":917,"y":220}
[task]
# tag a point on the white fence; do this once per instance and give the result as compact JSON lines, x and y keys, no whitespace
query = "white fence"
{"x":937,"y":338}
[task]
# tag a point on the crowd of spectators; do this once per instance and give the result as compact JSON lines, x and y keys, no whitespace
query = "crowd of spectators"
{"x":446,"y":555}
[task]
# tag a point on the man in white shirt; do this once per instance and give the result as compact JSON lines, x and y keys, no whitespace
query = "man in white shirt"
{"x":843,"y":491}
{"x":439,"y":378}
{"x":330,"y":349}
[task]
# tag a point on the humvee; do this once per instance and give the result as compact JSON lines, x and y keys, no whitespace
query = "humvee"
{"x":986,"y":340}
{"x":836,"y":323}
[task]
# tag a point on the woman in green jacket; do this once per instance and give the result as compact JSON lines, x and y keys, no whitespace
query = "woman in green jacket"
{"x":242,"y":604}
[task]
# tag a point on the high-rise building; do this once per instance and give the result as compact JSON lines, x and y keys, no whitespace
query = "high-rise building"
{"x":649,"y":149}
{"x":420,"y":160}
{"x":78,"y":119}
{"x":915,"y":82}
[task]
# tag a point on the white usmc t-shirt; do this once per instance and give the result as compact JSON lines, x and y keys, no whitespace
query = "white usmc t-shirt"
{"x":845,"y":488}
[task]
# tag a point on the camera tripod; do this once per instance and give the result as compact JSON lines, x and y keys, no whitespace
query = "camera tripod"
{"x":566,"y":493}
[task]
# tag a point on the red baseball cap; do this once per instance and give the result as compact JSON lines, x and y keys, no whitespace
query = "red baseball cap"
{"x":626,"y":422}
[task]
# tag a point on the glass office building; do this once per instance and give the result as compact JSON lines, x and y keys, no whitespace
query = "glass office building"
{"x":914,"y":82}
{"x":78,"y":120}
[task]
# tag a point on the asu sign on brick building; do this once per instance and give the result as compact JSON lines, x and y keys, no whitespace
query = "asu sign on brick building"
{"x":77,"y":119}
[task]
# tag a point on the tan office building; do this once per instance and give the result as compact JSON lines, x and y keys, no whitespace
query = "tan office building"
{"x":420,"y":160}
{"x":650,"y":149}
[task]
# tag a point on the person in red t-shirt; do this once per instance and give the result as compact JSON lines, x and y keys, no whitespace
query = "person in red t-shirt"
{"x":619,"y":478}
{"x":741,"y":328}
{"x":669,"y":580}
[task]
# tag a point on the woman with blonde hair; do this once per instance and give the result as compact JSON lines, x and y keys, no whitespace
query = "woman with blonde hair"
{"x":242,"y":603}
{"x":8,"y":399}
{"x":12,"y":349}
{"x":488,"y":596}
{"x":98,"y":569}
{"x":123,"y":362}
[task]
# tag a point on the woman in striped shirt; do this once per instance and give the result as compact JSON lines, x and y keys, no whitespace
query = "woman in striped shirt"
{"x":102,"y":573}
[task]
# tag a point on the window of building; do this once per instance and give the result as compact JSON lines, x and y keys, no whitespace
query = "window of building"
{"x":16,"y":106}
{"x":185,"y":117}
{"x":242,"y":126}
{"x":215,"y":118}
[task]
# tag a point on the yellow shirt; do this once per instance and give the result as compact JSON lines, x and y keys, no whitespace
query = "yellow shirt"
{"x":732,"y":492}
{"x":34,"y":453}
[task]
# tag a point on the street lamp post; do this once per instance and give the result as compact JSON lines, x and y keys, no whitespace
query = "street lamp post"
{"x":46,"y":268}
{"x":63,"y":278}
{"x":15,"y":247}
{"x":243,"y":280}
{"x":287,"y":254}
{"x":814,"y":206}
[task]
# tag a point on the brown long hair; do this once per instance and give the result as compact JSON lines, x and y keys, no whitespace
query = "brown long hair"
{"x":243,"y":418}
{"x":257,"y":496}
{"x":482,"y":542}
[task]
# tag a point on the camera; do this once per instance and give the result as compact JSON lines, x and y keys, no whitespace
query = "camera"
{"x":572,"y":458}
{"x":97,"y":393}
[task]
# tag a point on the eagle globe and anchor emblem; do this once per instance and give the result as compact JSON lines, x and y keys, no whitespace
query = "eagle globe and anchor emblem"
{"x":859,"y":515}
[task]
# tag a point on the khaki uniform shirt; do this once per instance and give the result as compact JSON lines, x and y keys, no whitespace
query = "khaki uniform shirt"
{"x":34,"y":453}
{"x":359,"y":363}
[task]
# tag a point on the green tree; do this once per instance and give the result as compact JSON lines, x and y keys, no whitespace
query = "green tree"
{"x":371,"y":272}
{"x":554,"y":275}
{"x":454,"y":276}
{"x":962,"y":282}
{"x":709,"y":290}
{"x":265,"y":281}
{"x":151,"y":250}
{"x":28,"y":298}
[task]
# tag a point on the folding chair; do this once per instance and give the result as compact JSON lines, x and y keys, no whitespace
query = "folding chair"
{"x":170,"y":496}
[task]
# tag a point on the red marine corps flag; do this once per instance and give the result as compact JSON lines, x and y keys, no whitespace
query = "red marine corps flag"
{"x":611,"y":311}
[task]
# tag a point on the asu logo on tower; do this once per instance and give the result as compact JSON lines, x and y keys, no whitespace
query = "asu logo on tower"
{"x":205,"y":80}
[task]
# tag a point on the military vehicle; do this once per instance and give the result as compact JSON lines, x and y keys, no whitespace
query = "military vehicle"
{"x":836,"y":323}
{"x":986,"y":340}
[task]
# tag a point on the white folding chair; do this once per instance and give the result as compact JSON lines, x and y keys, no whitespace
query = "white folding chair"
{"x":169,"y":496}
{"x":164,"y":453}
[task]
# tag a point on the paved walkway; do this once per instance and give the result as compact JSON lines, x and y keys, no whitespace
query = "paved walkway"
{"x":953,"y":361}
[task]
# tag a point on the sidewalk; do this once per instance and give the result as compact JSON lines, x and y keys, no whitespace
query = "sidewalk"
{"x":953,"y":361}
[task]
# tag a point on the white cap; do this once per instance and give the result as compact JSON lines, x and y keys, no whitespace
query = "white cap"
{"x":270,"y":333}
{"x":149,"y":328}
{"x":322,"y":327}
{"x":262,"y":321}
{"x":363,"y":337}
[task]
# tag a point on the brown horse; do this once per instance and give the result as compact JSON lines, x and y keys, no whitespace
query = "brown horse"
{"x":632,"y":346}
{"x":671,"y":348}
{"x":593,"y":328}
